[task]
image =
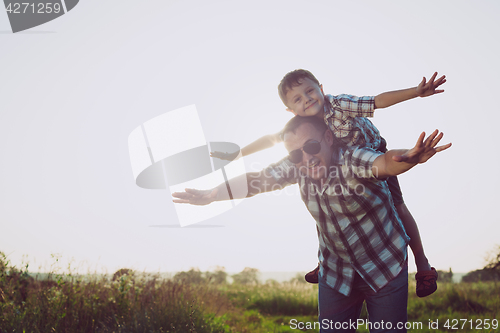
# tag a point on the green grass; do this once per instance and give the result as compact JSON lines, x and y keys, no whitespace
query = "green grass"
{"x":128,"y":304}
{"x":270,"y":307}
{"x":148,"y":303}
{"x":266,"y":308}
{"x":276,"y":299}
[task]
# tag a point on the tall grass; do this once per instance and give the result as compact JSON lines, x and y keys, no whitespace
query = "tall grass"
{"x":473,"y":302}
{"x":289,"y":299}
{"x":148,"y":303}
{"x":128,"y":304}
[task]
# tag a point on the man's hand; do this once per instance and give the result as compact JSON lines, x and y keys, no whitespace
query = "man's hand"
{"x":425,"y":89}
{"x":225,"y":156}
{"x":196,"y":197}
{"x":423,"y":150}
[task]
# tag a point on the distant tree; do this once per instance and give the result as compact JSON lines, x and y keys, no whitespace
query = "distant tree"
{"x":490,"y":272}
{"x":192,"y":276}
{"x":481,"y":275}
{"x":123,"y":272}
{"x":298,"y":278}
{"x":218,"y":276}
{"x":493,"y":259}
{"x":247,"y":276}
{"x":272,"y":282}
{"x":444,"y":276}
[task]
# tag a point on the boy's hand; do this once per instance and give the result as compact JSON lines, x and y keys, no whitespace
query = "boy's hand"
{"x":425,"y":89}
{"x":225,"y":156}
{"x":423,"y":150}
{"x":196,"y":197}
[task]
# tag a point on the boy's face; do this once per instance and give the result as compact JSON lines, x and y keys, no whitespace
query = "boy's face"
{"x":306,"y":99}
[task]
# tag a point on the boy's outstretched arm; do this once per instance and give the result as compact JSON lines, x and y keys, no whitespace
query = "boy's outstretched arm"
{"x":397,"y":161}
{"x":424,"y":89}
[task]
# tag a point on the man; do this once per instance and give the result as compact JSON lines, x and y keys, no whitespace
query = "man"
{"x":363,"y":245}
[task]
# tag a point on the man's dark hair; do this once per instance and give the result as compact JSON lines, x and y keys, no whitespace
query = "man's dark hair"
{"x":319,"y":125}
{"x":295,"y":122}
{"x":293,"y":79}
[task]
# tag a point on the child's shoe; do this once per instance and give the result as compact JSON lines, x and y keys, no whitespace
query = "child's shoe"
{"x":426,"y":282}
{"x":312,"y":276}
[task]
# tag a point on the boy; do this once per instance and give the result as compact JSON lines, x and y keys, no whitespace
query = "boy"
{"x":346,"y":115}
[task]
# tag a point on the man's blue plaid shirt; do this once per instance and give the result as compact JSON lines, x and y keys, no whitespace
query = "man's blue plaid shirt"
{"x":358,"y":227}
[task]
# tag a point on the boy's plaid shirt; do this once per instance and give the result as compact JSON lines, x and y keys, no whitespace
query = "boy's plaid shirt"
{"x":345,"y":115}
{"x":358,"y":227}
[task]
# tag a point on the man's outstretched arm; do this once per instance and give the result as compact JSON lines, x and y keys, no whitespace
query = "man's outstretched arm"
{"x":265,"y":142}
{"x":397,"y":161}
{"x":256,"y":182}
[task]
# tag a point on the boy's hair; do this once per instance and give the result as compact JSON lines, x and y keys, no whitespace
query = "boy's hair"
{"x":292,"y":79}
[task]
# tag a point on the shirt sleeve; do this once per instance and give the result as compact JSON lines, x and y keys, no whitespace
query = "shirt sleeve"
{"x":352,"y":106}
{"x":360,"y":161}
{"x":284,"y":172}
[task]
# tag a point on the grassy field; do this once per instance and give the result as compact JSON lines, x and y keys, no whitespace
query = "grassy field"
{"x":148,"y":303}
{"x":462,"y":307}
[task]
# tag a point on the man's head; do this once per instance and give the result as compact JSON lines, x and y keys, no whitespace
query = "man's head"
{"x":302,"y":94}
{"x":309,"y":144}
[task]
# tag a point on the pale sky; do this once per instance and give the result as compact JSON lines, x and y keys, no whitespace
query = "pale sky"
{"x":72,"y":90}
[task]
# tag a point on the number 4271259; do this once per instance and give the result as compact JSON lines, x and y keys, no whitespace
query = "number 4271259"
{"x":478,"y":324}
{"x":39,"y":8}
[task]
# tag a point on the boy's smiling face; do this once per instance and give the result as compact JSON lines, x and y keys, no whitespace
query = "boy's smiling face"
{"x":306,"y":99}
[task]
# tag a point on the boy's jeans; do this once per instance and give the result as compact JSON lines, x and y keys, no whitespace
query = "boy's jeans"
{"x":387,"y":309}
